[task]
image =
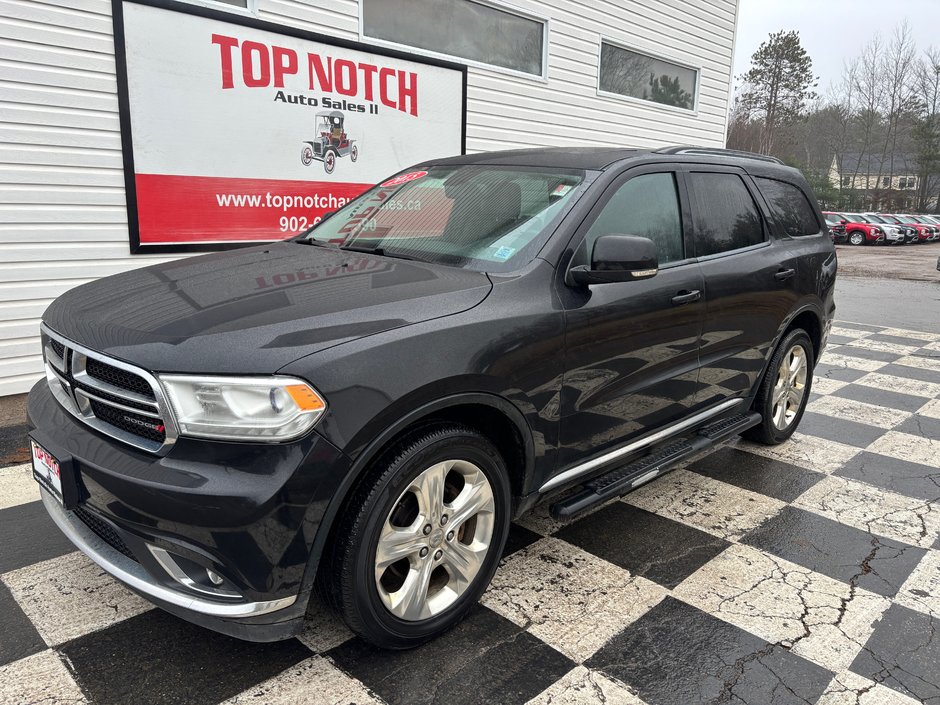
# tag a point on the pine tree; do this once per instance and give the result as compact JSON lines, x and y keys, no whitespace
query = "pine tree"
{"x":778,"y":84}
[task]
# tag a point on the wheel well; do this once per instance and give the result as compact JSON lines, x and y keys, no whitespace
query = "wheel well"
{"x":486,"y":419}
{"x":809,"y":322}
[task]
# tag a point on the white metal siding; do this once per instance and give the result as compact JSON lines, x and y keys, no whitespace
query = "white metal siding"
{"x":63,"y":219}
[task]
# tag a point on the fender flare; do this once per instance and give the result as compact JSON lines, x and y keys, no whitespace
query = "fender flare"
{"x":361,"y":463}
{"x":810,"y":306}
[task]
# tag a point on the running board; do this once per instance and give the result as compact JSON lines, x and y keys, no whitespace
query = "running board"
{"x":627,"y":478}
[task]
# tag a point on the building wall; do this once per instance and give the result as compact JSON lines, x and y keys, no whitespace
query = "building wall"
{"x":63,"y":219}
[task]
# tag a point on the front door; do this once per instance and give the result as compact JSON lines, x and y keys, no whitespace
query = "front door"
{"x":631,"y":347}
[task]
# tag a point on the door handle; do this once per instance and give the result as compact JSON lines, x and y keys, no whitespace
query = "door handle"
{"x":784,"y":274}
{"x":686,"y":297}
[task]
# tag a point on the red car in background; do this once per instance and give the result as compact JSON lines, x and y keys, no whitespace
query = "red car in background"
{"x":858,"y":230}
{"x":925,"y":233}
{"x":932,"y":228}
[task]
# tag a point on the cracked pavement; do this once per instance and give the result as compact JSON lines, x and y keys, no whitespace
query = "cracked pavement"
{"x":802,"y":573}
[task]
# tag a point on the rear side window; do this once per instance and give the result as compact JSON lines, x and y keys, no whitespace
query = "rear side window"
{"x":790,"y":207}
{"x":725,"y":216}
{"x":647,"y":206}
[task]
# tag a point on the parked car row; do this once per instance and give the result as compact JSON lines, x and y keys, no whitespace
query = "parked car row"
{"x":883,"y":228}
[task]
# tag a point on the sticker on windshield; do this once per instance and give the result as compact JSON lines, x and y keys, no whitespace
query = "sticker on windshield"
{"x":405,"y":178}
{"x":561,"y":190}
{"x":503,"y":253}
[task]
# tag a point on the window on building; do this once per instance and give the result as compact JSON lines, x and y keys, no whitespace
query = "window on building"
{"x":647,"y":206}
{"x":885,"y":181}
{"x":725,"y":216}
{"x":791,"y":210}
{"x":462,"y":28}
{"x":906,"y":182}
{"x":846,"y":180}
{"x":637,"y":75}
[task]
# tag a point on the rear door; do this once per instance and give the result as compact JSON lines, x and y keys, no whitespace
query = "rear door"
{"x":750,"y":280}
{"x":632,"y":347}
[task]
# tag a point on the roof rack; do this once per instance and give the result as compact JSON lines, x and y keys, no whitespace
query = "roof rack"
{"x":716,"y":152}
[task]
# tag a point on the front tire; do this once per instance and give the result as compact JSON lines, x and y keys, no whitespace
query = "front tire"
{"x":857,"y":238}
{"x":785,"y":389}
{"x":422,"y":537}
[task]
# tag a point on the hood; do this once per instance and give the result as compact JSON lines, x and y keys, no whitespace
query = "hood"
{"x":253,"y":310}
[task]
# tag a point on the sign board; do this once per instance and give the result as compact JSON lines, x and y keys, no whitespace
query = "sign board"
{"x":236,"y":130}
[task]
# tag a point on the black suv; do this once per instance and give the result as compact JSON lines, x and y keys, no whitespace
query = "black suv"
{"x":367,"y":406}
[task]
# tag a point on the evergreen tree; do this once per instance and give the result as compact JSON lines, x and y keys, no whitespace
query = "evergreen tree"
{"x":778,"y":84}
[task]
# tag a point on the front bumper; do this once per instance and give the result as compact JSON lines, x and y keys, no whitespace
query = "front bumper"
{"x":247,"y":512}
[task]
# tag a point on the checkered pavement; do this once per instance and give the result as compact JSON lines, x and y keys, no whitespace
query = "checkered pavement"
{"x":803,"y":573}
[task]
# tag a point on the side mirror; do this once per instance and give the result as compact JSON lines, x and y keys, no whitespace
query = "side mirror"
{"x":617,"y":258}
{"x":843,"y":222}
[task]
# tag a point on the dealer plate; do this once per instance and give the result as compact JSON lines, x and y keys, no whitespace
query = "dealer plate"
{"x":47,"y":471}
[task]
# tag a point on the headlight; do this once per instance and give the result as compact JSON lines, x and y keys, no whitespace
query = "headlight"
{"x":243,"y":408}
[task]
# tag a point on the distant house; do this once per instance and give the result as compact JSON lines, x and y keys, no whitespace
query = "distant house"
{"x":871,"y":172}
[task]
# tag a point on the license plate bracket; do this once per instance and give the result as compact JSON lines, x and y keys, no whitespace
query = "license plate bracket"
{"x":54,"y":470}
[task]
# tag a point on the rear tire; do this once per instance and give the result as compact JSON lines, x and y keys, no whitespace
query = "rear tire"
{"x":785,"y":389}
{"x":420,"y":540}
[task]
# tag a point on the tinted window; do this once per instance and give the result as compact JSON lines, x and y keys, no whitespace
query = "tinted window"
{"x":463,"y":28}
{"x":790,"y":207}
{"x":725,"y":215}
{"x":637,"y":75}
{"x":647,"y":206}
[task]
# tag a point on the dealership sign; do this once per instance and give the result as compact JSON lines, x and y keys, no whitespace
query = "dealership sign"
{"x":236,"y":130}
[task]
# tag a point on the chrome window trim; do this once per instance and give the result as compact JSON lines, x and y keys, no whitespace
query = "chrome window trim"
{"x":134,"y":575}
{"x":76,"y":401}
{"x":584,"y":468}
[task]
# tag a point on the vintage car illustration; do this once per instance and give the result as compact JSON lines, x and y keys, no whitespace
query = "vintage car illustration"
{"x":330,"y":143}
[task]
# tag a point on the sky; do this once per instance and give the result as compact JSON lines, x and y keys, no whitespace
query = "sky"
{"x":831,"y":31}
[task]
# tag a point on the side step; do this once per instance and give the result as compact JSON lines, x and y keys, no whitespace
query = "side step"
{"x":627,"y":478}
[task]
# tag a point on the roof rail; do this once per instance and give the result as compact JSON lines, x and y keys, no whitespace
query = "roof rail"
{"x":717,"y":152}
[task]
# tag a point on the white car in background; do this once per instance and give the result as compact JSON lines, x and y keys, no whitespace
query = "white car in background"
{"x":894,"y":234}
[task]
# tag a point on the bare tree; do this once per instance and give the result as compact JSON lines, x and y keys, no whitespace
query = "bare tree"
{"x":926,"y":134}
{"x":898,"y":97}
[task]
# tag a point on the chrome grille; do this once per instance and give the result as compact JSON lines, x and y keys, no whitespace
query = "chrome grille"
{"x":113,"y":397}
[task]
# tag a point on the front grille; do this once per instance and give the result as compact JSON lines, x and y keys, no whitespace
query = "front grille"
{"x":104,"y":531}
{"x":143,"y":426}
{"x":115,"y":398}
{"x":118,"y":377}
{"x":111,"y":398}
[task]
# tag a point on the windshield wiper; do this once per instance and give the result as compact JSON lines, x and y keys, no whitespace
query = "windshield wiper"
{"x":315,"y":243}
{"x":376,"y":251}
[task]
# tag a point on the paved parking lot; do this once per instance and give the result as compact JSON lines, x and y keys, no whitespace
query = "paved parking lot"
{"x":805,"y":573}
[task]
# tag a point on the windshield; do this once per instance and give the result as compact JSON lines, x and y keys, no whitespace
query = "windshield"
{"x":876,"y":219}
{"x":855,"y":218}
{"x":480,"y":217}
{"x":833,"y":218}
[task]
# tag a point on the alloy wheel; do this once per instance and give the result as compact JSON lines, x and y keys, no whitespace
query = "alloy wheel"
{"x":790,"y":387}
{"x":434,"y":540}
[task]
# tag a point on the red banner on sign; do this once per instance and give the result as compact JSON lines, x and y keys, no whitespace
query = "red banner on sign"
{"x":200,"y":209}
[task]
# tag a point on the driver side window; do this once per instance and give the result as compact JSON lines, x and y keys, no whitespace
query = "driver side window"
{"x":647,"y":206}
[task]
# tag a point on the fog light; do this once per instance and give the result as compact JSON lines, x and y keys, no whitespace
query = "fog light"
{"x":214,"y":577}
